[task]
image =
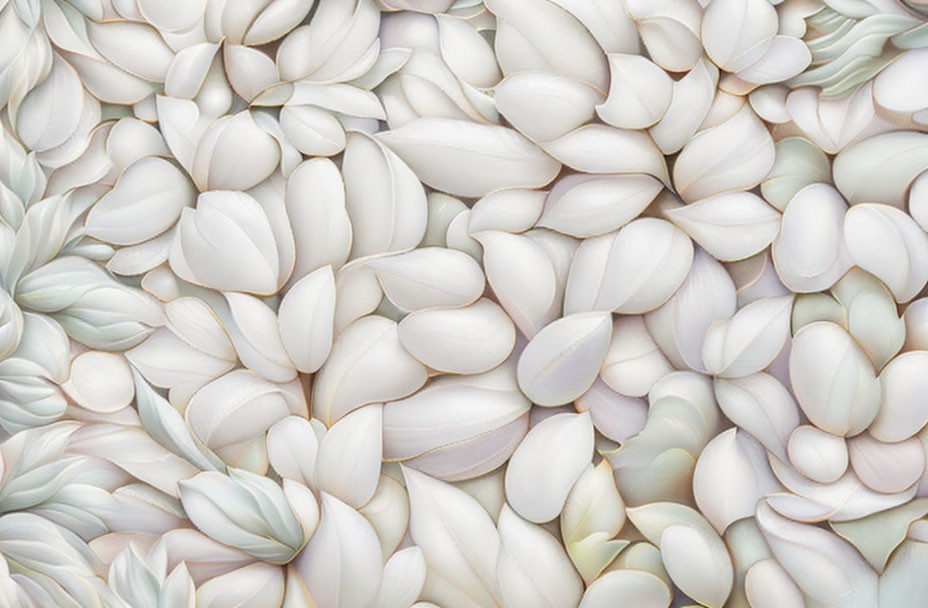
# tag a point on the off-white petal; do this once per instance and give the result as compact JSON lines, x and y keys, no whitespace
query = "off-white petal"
{"x":313,"y":131}
{"x":691,"y":100}
{"x":737,"y":34}
{"x":818,"y":455}
{"x":767,"y":585}
{"x":903,"y":410}
{"x":545,"y":106}
{"x":234,"y":154}
{"x":750,"y":340}
{"x":306,"y":318}
{"x":730,"y":226}
{"x":785,"y":57}
{"x":887,"y":243}
{"x":253,"y":327}
{"x":880,"y":168}
{"x":634,"y":362}
{"x":627,"y":586}
{"x":903,"y":584}
{"x":669,"y":30}
{"x":562,"y":360}
{"x":100,"y":381}
{"x":459,"y":541}
{"x":588,"y":205}
{"x":341,"y":565}
{"x":547,"y":463}
{"x":832,"y":379}
{"x":497,"y":157}
{"x":51,"y":111}
{"x":466,"y":340}
{"x":429,"y":277}
{"x":260,"y":585}
{"x":510,"y":210}
{"x":639,"y":92}
{"x":135,"y":47}
{"x":697,"y":563}
{"x":886,"y":467}
{"x":734,"y":155}
{"x":348,"y":462}
{"x":597,"y":148}
{"x":797,"y":164}
{"x":367,"y":365}
{"x":292,"y":449}
{"x":403,"y":578}
{"x":762,"y":406}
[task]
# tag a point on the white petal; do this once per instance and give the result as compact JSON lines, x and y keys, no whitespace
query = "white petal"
{"x":822,"y":565}
{"x":348,"y":463}
{"x":429,"y":277}
{"x":585,"y":205}
{"x":750,"y":340}
{"x":737,"y":34}
{"x":51,"y":111}
{"x":292,"y":449}
{"x":367,"y":365}
{"x":249,"y":70}
{"x":697,"y":563}
{"x":403,"y":578}
{"x":633,"y":270}
{"x":639,"y":92}
{"x":634,"y":362}
{"x":315,"y":202}
{"x":731,"y":475}
{"x":886,"y":467}
{"x":886,"y":86}
{"x":341,"y":565}
{"x":734,"y":155}
{"x":522,"y":276}
{"x":135,"y":47}
{"x":511,"y":210}
{"x":253,"y":327}
{"x":903,"y":411}
{"x":669,"y":30}
{"x":880,"y":168}
{"x":234,"y":154}
{"x":818,"y":455}
{"x":388,"y":513}
{"x":762,"y":406}
{"x":692,"y":98}
{"x":313,"y":131}
{"x":810,"y":252}
{"x":172,"y":15}
{"x":887,"y":243}
{"x":497,"y":157}
{"x":459,"y":541}
{"x":562,"y":360}
{"x":306,"y":319}
{"x":533,"y":569}
{"x":785,"y":57}
{"x":903,"y":583}
{"x":767,"y":585}
{"x":597,"y":148}
{"x":547,"y":463}
{"x":380,"y":188}
{"x":545,"y":106}
{"x":260,"y":585}
{"x":627,"y":587}
{"x":466,"y":340}
{"x":523,"y":42}
{"x":101,"y":382}
{"x":615,"y":415}
{"x":798,"y":163}
{"x":832,"y":379}
{"x":730,"y":226}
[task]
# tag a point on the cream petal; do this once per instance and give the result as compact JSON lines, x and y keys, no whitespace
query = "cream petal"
{"x":615,"y":415}
{"x":636,"y":268}
{"x":313,"y":131}
{"x":429,"y":277}
{"x":253,"y":327}
{"x":797,"y":164}
{"x":590,"y":205}
{"x":762,"y":406}
{"x":639,"y":92}
{"x":785,"y":57}
{"x":306,"y":319}
{"x":533,"y":569}
{"x":886,"y":467}
{"x":543,"y":105}
{"x":730,"y":226}
{"x":823,"y":566}
{"x":903,"y":411}
{"x":750,"y":340}
{"x":388,"y":513}
{"x":887,"y":243}
{"x":522,"y":277}
{"x":466,"y":340}
{"x":234,"y":154}
{"x":348,"y":462}
{"x":810,"y":252}
{"x":459,"y":540}
{"x":259,"y":585}
{"x":341,"y":565}
{"x":832,"y":379}
{"x":669,"y":30}
{"x":767,"y":585}
{"x":367,"y":365}
{"x":634,"y":362}
{"x":731,"y":475}
{"x":562,"y":360}
{"x":510,"y":210}
{"x":498,"y":157}
{"x":538,"y":477}
{"x":886,"y":85}
{"x":292,"y":449}
{"x":734,"y":155}
{"x":357,"y":293}
{"x":135,"y":47}
{"x":597,"y":148}
{"x":818,"y":455}
{"x":631,"y":587}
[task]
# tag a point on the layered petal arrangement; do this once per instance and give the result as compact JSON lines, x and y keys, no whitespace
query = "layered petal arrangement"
{"x":463,"y":303}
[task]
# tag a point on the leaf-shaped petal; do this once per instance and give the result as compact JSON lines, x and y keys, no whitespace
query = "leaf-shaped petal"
{"x":750,"y":340}
{"x":429,"y":277}
{"x":306,"y":317}
{"x":589,"y":205}
{"x":639,"y":92}
{"x":544,"y":105}
{"x":348,"y":462}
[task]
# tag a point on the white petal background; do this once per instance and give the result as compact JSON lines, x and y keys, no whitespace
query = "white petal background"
{"x":463,"y":303}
